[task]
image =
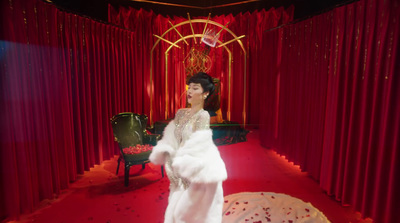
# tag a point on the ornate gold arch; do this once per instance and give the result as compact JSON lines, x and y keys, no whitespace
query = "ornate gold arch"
{"x":194,"y":36}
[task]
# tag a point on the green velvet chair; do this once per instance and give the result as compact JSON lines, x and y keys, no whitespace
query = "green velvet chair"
{"x":130,"y":130}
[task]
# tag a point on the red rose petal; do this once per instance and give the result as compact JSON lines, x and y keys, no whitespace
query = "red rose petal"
{"x":226,"y":201}
{"x":227,"y":213}
{"x":246,"y":202}
{"x":307,"y":210}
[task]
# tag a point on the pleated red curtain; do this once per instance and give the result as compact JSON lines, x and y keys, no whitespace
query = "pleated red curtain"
{"x":362,"y":126}
{"x":62,"y":78}
{"x":332,"y":102}
{"x":243,"y":93}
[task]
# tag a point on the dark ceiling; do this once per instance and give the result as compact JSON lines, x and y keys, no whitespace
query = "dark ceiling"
{"x":98,"y":9}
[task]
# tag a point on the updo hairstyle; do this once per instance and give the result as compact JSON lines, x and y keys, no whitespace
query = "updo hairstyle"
{"x":204,"y":80}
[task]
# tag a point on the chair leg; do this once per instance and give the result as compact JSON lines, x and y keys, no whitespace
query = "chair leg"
{"x":127,"y":167}
{"x":119,"y":160}
{"x":143,"y":166}
{"x":162,"y":170}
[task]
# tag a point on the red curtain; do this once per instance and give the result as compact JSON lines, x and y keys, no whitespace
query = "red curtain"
{"x":243,"y":93}
{"x":62,"y":78}
{"x":331,"y":102}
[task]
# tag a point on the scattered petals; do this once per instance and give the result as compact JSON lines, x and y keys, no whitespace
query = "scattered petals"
{"x":137,"y":149}
{"x":227,"y":213}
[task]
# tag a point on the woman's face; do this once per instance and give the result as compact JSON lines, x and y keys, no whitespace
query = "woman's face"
{"x":195,"y":94}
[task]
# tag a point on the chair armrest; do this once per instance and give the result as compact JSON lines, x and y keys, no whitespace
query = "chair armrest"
{"x":151,"y":139}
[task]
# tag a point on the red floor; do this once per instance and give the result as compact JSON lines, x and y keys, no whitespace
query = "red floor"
{"x":100,"y":196}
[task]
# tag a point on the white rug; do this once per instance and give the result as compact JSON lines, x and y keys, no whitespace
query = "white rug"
{"x":258,"y":207}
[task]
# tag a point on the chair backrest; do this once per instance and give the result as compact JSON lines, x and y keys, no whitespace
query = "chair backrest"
{"x":128,"y":129}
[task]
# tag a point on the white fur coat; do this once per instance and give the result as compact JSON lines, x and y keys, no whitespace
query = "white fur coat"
{"x":199,"y":162}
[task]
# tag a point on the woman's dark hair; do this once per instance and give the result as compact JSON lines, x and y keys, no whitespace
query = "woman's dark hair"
{"x":204,"y":80}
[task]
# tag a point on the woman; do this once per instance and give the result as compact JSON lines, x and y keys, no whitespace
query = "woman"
{"x":192,"y":161}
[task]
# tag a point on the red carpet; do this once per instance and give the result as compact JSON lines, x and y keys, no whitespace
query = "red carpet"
{"x":100,"y":196}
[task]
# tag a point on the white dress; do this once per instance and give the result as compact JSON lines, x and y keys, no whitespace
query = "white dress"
{"x":194,"y":167}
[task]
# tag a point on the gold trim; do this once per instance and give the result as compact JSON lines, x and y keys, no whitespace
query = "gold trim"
{"x":196,"y":7}
{"x":166,"y":85}
{"x":190,"y":22}
{"x":166,"y":41}
{"x":177,"y":32}
{"x":244,"y":91}
{"x":222,"y":28}
{"x":151,"y":90}
{"x":230,"y":41}
{"x":228,"y":113}
{"x":205,"y":26}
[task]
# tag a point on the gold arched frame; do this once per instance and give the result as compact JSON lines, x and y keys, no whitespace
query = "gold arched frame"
{"x":229,"y":74}
{"x":193,"y":35}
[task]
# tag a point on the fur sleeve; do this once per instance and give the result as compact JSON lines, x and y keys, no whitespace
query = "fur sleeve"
{"x":199,"y":160}
{"x":167,"y":145}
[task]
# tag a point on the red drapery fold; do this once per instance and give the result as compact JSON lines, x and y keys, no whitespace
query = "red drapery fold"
{"x":62,"y":78}
{"x":332,"y":102}
{"x":243,"y":93}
